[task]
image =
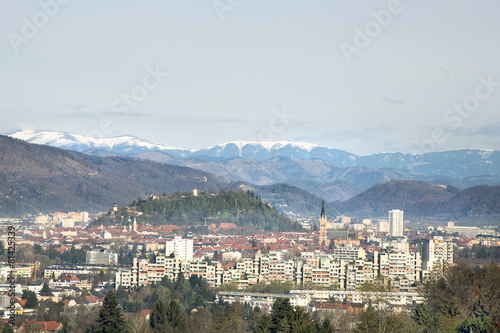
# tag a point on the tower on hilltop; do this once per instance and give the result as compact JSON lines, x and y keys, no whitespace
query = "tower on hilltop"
{"x":322,"y":226}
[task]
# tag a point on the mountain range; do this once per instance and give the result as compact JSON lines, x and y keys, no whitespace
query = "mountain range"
{"x":333,"y":174}
{"x":39,"y":178}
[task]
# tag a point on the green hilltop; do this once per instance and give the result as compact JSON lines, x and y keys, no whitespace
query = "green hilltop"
{"x":242,"y":208}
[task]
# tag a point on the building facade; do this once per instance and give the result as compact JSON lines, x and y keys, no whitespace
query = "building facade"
{"x":182,"y":248}
{"x":396,"y":223}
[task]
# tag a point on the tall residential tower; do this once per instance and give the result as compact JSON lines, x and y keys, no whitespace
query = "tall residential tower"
{"x":396,"y":223}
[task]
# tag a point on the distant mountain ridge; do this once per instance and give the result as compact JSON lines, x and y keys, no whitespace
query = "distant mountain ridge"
{"x":420,"y":199}
{"x":455,"y":163}
{"x":332,"y":174}
{"x":37,"y":178}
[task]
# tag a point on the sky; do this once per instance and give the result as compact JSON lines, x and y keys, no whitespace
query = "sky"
{"x":365,"y":76}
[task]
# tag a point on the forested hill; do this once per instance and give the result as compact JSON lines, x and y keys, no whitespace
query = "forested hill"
{"x":242,"y":208}
{"x":426,"y":200}
{"x":291,"y":200}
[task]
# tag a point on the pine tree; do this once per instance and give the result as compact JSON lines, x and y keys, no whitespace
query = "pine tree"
{"x":158,"y":317}
{"x":264,"y":324}
{"x":31,"y":299}
{"x":46,"y":291}
{"x":167,"y":318}
{"x":110,"y":318}
{"x":282,"y":312}
{"x":327,"y":326}
{"x":175,"y":317}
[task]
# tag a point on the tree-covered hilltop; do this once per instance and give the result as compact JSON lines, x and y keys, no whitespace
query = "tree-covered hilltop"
{"x":242,"y":208}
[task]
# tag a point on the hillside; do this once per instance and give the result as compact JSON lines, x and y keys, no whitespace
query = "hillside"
{"x":291,"y":200}
{"x":327,"y":180}
{"x":424,"y":199}
{"x":242,"y":208}
{"x":36,"y":178}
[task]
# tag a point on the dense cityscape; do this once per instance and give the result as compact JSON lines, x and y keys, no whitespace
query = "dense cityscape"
{"x":332,"y":268}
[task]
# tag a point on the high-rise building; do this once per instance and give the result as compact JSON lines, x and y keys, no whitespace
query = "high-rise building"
{"x":101,"y":258}
{"x":182,"y":248}
{"x":437,"y":255}
{"x":396,"y":223}
{"x":322,"y":226}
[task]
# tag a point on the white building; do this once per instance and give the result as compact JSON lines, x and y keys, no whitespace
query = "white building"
{"x":349,"y":253}
{"x":106,"y":235}
{"x":396,"y":223}
{"x":395,"y":243}
{"x":101,"y":258}
{"x":231,"y":256}
{"x":383,"y":226}
{"x":398,"y":265}
{"x":67,"y":223}
{"x":182,"y":248}
{"x":84,"y":217}
{"x":43,"y":219}
{"x":436,"y":255}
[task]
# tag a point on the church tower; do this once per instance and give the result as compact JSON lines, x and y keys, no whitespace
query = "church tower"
{"x":322,"y":226}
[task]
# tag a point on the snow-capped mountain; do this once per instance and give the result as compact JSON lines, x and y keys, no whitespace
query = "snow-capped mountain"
{"x":121,"y":145}
{"x":132,"y":146}
{"x":481,"y":166}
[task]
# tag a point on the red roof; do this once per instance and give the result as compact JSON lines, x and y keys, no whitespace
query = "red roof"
{"x":226,"y":266}
{"x":168,"y":228}
{"x":91,"y":298}
{"x":50,"y":325}
{"x":68,"y":277}
{"x":227,"y":226}
{"x":337,"y":306}
{"x":145,"y":312}
{"x":22,"y":302}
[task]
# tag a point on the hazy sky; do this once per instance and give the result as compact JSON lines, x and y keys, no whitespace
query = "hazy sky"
{"x":363,"y":76}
